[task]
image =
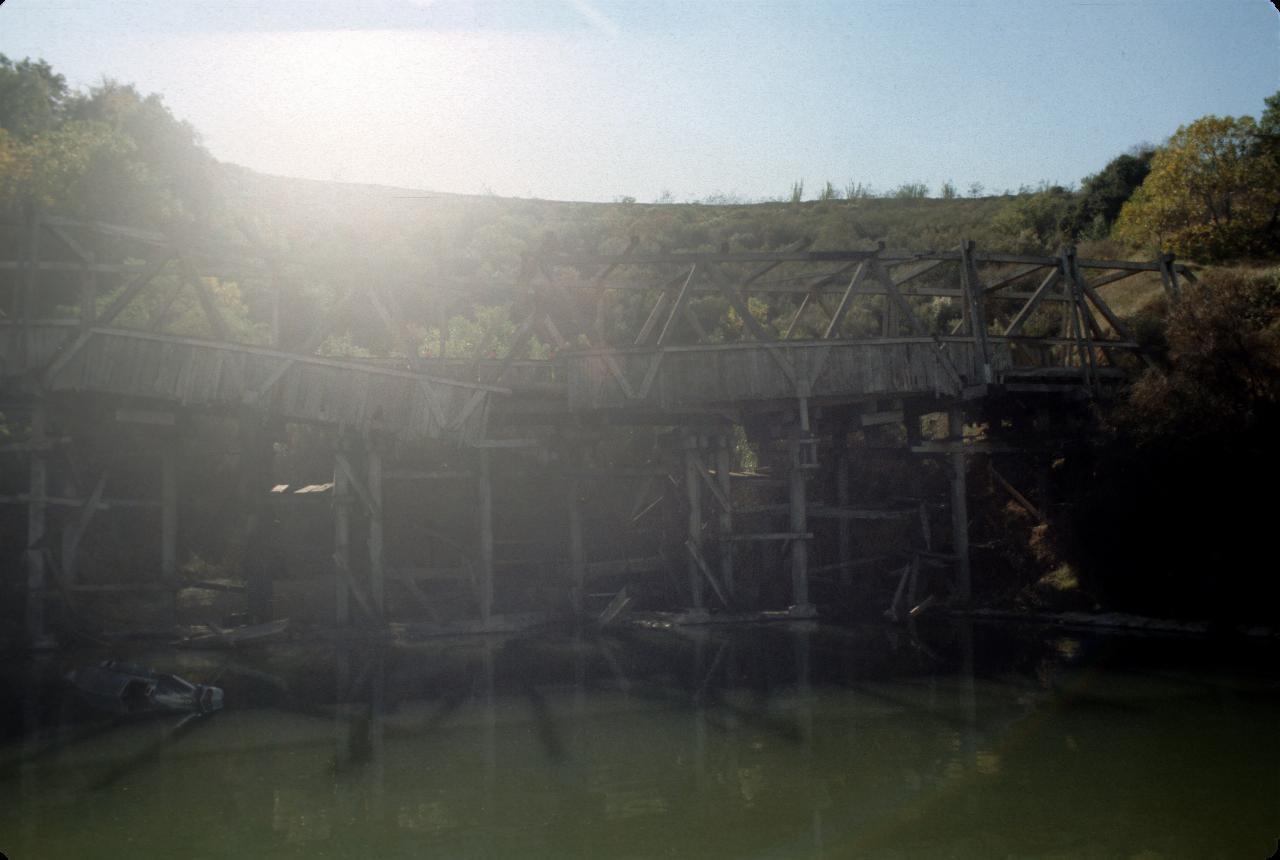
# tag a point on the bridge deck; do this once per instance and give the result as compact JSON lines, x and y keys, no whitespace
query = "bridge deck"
{"x":211,"y":374}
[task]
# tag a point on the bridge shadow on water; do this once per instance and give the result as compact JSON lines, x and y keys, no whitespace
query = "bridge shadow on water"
{"x":786,"y":740}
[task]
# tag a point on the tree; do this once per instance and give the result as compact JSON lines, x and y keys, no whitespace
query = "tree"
{"x":1104,"y":193}
{"x":1037,"y":221}
{"x":1211,"y":193}
{"x":31,"y":97}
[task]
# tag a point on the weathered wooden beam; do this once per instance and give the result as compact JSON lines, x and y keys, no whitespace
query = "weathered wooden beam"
{"x":655,"y":313}
{"x":799,"y":519}
{"x":682,"y":298}
{"x":804,"y":303}
{"x":168,"y":507}
{"x":484,"y":491}
{"x":377,"y":570}
{"x":342,"y":537}
{"x":846,"y":300}
{"x":1023,"y":314}
{"x":974,"y":294}
{"x":752,"y":325}
{"x":770,"y":536}
{"x":35,"y":557}
{"x":1009,"y":279}
{"x":208,"y":305}
{"x":1018,"y":497}
{"x":577,"y":547}
{"x":693,"y":540}
{"x":960,"y":505}
{"x":700,"y":565}
{"x":724,"y":520}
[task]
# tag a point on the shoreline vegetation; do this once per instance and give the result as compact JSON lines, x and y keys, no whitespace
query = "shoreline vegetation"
{"x":1162,"y":508}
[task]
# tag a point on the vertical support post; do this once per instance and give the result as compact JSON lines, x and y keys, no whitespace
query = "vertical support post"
{"x":577,"y":551}
{"x":1079,"y":320}
{"x":485,"y":491}
{"x":30,"y":282}
{"x":443,"y":321}
{"x":960,"y":505}
{"x":169,"y":508}
{"x":840,"y":438}
{"x":724,"y":524}
{"x":341,"y":535}
{"x":275,"y":305}
{"x":376,"y":570}
{"x":38,"y":492}
{"x":974,"y":297}
{"x":799,"y":523}
{"x":693,"y":491}
{"x":1169,"y":277}
{"x":88,"y":292}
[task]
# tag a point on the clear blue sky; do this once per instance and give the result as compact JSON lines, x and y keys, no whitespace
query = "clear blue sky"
{"x":591,"y":100}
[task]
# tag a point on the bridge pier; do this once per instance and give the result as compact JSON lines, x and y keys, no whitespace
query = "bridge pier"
{"x":959,"y":504}
{"x":693,"y":540}
{"x":341,"y":535}
{"x":802,"y":460}
{"x":724,"y":520}
{"x":577,"y":548}
{"x":37,"y":453}
{"x":484,"y":522}
{"x":844,"y":544}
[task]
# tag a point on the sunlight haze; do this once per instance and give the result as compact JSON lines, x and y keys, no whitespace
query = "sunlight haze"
{"x":591,"y":100}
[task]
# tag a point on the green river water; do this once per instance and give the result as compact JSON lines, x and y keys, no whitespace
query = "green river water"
{"x":764,"y":741}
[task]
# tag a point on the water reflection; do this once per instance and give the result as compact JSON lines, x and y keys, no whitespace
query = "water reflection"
{"x":780,"y":741}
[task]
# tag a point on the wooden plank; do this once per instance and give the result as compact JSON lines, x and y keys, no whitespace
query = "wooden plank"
{"x":38,"y":478}
{"x":721,"y":499}
{"x":960,"y":508}
{"x":700,"y":563}
{"x":373,"y":463}
{"x":852,"y":513}
{"x":341,"y":538}
{"x":974,"y":293}
{"x":1020,"y":319}
{"x":208,"y":305}
{"x":1022,"y":500}
{"x":753,"y":326}
{"x":724,"y":520}
{"x":615,"y":608}
{"x":682,"y":298}
{"x":693,"y":540}
{"x":371,"y":505}
{"x":168,"y":508}
{"x":804,"y":303}
{"x":768,"y":536}
{"x":75,"y":531}
{"x":1111,"y":278}
{"x":846,"y":300}
{"x":484,"y":491}
{"x":1009,"y":279}
{"x":131,"y":290}
{"x":75,"y":502}
{"x":426,"y":474}
{"x":655,"y":313}
{"x":577,"y":548}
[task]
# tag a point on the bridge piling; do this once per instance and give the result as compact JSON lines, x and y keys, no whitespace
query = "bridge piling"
{"x":959,"y":506}
{"x":37,"y":453}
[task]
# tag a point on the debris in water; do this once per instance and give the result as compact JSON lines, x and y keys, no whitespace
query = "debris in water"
{"x":125,"y":688}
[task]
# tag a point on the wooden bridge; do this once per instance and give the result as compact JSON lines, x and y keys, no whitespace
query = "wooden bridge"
{"x":796,"y":346}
